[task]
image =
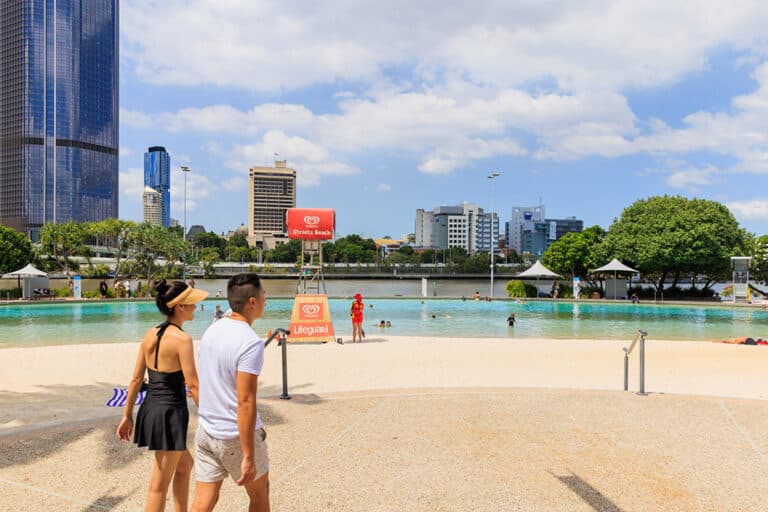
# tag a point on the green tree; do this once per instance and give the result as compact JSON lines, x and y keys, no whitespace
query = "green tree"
{"x":209,"y":256}
{"x":284,"y":253}
{"x":151,"y":242}
{"x":62,"y":241}
{"x":117,"y":236}
{"x":574,"y":253}
{"x":671,"y":236}
{"x":209,"y":240}
{"x":15,"y":250}
{"x":759,"y":253}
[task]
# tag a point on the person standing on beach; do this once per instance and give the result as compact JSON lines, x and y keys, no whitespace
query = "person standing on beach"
{"x":230,"y":438}
{"x":162,"y":420}
{"x":103,"y":289}
{"x":356,"y":310}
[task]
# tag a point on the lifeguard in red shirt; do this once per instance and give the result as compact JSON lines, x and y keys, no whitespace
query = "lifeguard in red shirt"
{"x":357,"y":318}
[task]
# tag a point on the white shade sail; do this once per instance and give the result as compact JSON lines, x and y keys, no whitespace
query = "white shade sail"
{"x":28,"y":271}
{"x":538,"y":270}
{"x":615,"y":266}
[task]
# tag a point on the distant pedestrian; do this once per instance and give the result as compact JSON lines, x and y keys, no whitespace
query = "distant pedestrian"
{"x":554,"y":290}
{"x":218,"y":314}
{"x":103,"y":289}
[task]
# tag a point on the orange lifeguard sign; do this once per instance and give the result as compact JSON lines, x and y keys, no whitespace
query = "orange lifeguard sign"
{"x":311,"y":319}
{"x":310,"y":223}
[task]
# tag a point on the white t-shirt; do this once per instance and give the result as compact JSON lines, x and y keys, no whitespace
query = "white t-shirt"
{"x":228,"y":346}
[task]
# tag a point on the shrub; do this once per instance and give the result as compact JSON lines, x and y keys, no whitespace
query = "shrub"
{"x":515,"y":288}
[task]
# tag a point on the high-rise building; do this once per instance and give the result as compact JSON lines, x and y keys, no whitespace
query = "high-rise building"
{"x":523,"y":219}
{"x":152,"y":206}
{"x":271,"y":191}
{"x":58,"y":112}
{"x":465,"y":226}
{"x":157,"y":175}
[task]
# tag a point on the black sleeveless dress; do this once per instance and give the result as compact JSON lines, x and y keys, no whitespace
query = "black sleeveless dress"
{"x":162,"y":420}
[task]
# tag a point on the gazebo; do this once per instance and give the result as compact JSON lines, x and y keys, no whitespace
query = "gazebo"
{"x":538,"y":271}
{"x":613,"y":288}
{"x":33,"y":278}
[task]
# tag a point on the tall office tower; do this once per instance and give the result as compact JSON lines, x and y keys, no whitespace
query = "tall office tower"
{"x":58,"y":112}
{"x":152,"y":206}
{"x":157,"y":175}
{"x":271,"y":191}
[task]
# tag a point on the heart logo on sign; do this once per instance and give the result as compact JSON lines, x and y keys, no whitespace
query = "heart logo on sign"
{"x":312,"y":220}
{"x":310,"y":309}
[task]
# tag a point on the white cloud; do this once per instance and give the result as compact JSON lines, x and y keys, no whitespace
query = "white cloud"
{"x":310,"y":160}
{"x":234,"y":184}
{"x":755,"y":209}
{"x":131,"y":185}
{"x":691,"y":179}
{"x":383,"y":187}
{"x":266,"y":45}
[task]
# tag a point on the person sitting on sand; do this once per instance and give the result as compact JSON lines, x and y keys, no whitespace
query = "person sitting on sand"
{"x":162,"y":420}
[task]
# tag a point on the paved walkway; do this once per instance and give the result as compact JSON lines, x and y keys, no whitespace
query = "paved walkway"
{"x":442,"y":450}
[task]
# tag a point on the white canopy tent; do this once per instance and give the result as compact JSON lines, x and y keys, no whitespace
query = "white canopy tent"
{"x":33,"y":279}
{"x":538,"y":271}
{"x":613,"y":289}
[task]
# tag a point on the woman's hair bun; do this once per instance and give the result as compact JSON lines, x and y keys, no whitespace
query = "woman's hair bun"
{"x":162,"y":287}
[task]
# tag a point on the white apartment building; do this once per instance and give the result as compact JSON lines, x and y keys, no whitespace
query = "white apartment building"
{"x":152,"y":206}
{"x":465,"y":226}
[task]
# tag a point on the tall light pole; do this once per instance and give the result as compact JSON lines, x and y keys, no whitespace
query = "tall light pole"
{"x":491,"y":177}
{"x":185,"y":170}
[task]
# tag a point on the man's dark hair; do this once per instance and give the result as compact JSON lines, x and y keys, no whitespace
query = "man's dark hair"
{"x":240,"y":288}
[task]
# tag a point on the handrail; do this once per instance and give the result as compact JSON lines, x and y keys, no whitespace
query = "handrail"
{"x":639,"y":337}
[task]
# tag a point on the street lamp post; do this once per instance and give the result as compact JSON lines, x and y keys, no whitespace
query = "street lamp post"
{"x":185,"y":170}
{"x":491,"y":177}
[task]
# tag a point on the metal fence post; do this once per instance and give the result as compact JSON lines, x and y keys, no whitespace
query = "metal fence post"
{"x":284,"y":346}
{"x":626,"y":369}
{"x":642,"y":364}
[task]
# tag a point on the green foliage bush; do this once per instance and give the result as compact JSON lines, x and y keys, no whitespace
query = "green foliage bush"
{"x":515,"y":288}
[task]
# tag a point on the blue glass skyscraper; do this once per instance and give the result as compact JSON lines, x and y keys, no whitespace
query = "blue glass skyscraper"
{"x":157,"y":175}
{"x":58,"y":112}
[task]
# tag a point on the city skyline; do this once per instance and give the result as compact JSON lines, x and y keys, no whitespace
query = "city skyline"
{"x":382,"y":111}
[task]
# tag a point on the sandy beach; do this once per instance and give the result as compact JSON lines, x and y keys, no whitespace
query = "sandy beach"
{"x":391,"y":414}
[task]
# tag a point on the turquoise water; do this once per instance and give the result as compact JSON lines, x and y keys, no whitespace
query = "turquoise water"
{"x":117,"y":322}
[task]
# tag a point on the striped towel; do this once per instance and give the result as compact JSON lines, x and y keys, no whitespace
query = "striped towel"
{"x":121,"y":394}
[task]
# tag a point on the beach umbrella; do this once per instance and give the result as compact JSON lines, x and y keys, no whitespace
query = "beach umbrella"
{"x":28,"y":271}
{"x":538,"y":270}
{"x":615,"y":266}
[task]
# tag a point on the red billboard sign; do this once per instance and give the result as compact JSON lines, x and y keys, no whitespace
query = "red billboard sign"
{"x":311,"y":223}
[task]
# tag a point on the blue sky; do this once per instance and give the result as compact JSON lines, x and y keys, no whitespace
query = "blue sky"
{"x":386,"y":107}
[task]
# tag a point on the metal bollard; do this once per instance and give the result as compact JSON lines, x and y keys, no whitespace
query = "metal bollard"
{"x":642,"y":364}
{"x":626,"y":370}
{"x":284,"y":346}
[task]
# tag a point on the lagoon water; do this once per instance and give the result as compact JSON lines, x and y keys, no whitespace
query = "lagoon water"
{"x":126,"y":321}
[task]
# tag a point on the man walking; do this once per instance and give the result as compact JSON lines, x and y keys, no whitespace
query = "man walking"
{"x":230,"y":439}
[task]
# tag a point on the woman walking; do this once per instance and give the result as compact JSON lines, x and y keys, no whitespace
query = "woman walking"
{"x":166,"y":354}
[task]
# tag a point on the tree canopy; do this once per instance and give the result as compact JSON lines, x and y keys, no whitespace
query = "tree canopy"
{"x":667,"y":236}
{"x":15,"y":250}
{"x":574,"y":254}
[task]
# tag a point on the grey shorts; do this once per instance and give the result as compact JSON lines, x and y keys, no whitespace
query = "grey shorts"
{"x":216,"y":458}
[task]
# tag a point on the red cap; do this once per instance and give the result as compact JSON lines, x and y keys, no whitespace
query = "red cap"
{"x":358,"y":296}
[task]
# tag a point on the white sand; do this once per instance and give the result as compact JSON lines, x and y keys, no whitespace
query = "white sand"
{"x":60,"y":384}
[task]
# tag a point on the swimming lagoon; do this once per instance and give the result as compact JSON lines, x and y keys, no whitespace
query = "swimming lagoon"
{"x":126,"y":321}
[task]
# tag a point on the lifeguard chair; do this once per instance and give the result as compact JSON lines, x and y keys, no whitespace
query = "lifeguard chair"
{"x":311,"y":316}
{"x":740,"y":267}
